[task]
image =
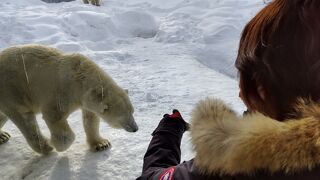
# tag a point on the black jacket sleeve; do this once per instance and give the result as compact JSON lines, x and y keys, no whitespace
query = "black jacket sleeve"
{"x":164,"y":148}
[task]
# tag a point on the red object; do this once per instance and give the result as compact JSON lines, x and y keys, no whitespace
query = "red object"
{"x":175,"y":115}
{"x":167,"y":175}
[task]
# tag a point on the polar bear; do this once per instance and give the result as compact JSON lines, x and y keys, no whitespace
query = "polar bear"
{"x":93,"y":2}
{"x":38,"y":79}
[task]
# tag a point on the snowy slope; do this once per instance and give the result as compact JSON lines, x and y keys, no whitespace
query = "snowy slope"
{"x":168,"y":54}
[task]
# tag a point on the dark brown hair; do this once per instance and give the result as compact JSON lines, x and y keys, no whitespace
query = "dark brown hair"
{"x":280,"y":49}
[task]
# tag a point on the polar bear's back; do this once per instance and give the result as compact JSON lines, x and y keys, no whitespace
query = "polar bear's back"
{"x":41,"y":54}
{"x":29,"y":72}
{"x":28,"y":62}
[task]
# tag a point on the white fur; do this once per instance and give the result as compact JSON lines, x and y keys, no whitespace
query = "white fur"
{"x":39,"y":79}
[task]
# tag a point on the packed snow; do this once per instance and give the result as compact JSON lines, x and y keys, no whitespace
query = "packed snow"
{"x":169,"y":54}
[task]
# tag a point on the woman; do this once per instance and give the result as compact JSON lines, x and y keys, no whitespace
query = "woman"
{"x":279,"y":67}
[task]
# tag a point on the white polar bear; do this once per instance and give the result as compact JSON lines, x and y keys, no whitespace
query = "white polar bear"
{"x":35,"y":78}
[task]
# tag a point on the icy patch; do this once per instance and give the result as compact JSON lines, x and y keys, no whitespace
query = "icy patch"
{"x":56,"y":1}
{"x":177,"y":28}
{"x":12,"y":25}
{"x":100,"y":45}
{"x":44,"y":30}
{"x":218,"y":44}
{"x":88,"y":25}
{"x":136,"y":24}
{"x":160,"y":4}
{"x":69,"y":47}
{"x":151,"y":97}
{"x":219,"y":49}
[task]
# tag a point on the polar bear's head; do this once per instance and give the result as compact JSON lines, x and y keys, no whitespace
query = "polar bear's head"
{"x":113,"y":106}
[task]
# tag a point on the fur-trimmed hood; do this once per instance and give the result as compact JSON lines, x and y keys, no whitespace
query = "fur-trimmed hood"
{"x":228,"y":144}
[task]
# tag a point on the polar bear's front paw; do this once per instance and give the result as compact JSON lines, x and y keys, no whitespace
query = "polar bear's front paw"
{"x":62,"y":142}
{"x":4,"y":137}
{"x":100,"y":145}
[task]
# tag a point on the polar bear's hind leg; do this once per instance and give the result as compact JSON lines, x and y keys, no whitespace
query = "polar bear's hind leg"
{"x":4,"y":136}
{"x":27,"y":124}
{"x":91,"y":127}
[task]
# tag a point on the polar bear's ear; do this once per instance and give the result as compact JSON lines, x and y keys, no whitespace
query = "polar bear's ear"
{"x":103,"y":108}
{"x":127,"y":91}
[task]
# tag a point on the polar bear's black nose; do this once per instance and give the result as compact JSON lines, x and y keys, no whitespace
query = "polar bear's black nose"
{"x":135,"y":129}
{"x":132,"y":127}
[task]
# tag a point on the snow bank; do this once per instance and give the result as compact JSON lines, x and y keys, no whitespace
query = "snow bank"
{"x":211,"y":28}
{"x":178,"y":28}
{"x":136,"y":24}
{"x":91,"y":27}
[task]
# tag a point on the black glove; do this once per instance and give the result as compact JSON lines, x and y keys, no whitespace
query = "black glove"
{"x":176,"y":116}
{"x":173,"y":123}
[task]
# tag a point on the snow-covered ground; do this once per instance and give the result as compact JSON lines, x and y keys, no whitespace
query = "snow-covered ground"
{"x":169,"y":54}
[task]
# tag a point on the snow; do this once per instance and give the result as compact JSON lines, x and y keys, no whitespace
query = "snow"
{"x":169,"y":54}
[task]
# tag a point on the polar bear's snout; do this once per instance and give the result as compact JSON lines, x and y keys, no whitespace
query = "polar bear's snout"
{"x":125,"y":122}
{"x":131,"y":126}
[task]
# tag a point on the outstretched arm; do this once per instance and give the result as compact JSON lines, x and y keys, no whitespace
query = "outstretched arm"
{"x":164,"y":149}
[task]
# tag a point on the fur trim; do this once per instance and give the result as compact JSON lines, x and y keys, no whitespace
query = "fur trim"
{"x":228,"y":144}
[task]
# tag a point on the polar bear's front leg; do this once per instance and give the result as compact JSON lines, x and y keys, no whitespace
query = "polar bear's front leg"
{"x":4,"y":136}
{"x":91,"y":127}
{"x":61,"y":134}
{"x":95,"y":2}
{"x":27,"y":124}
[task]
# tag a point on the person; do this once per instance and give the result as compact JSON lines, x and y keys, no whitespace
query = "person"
{"x":279,"y":70}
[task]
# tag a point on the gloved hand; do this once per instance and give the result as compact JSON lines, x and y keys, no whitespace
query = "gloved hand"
{"x":176,"y":116}
{"x":173,"y":123}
